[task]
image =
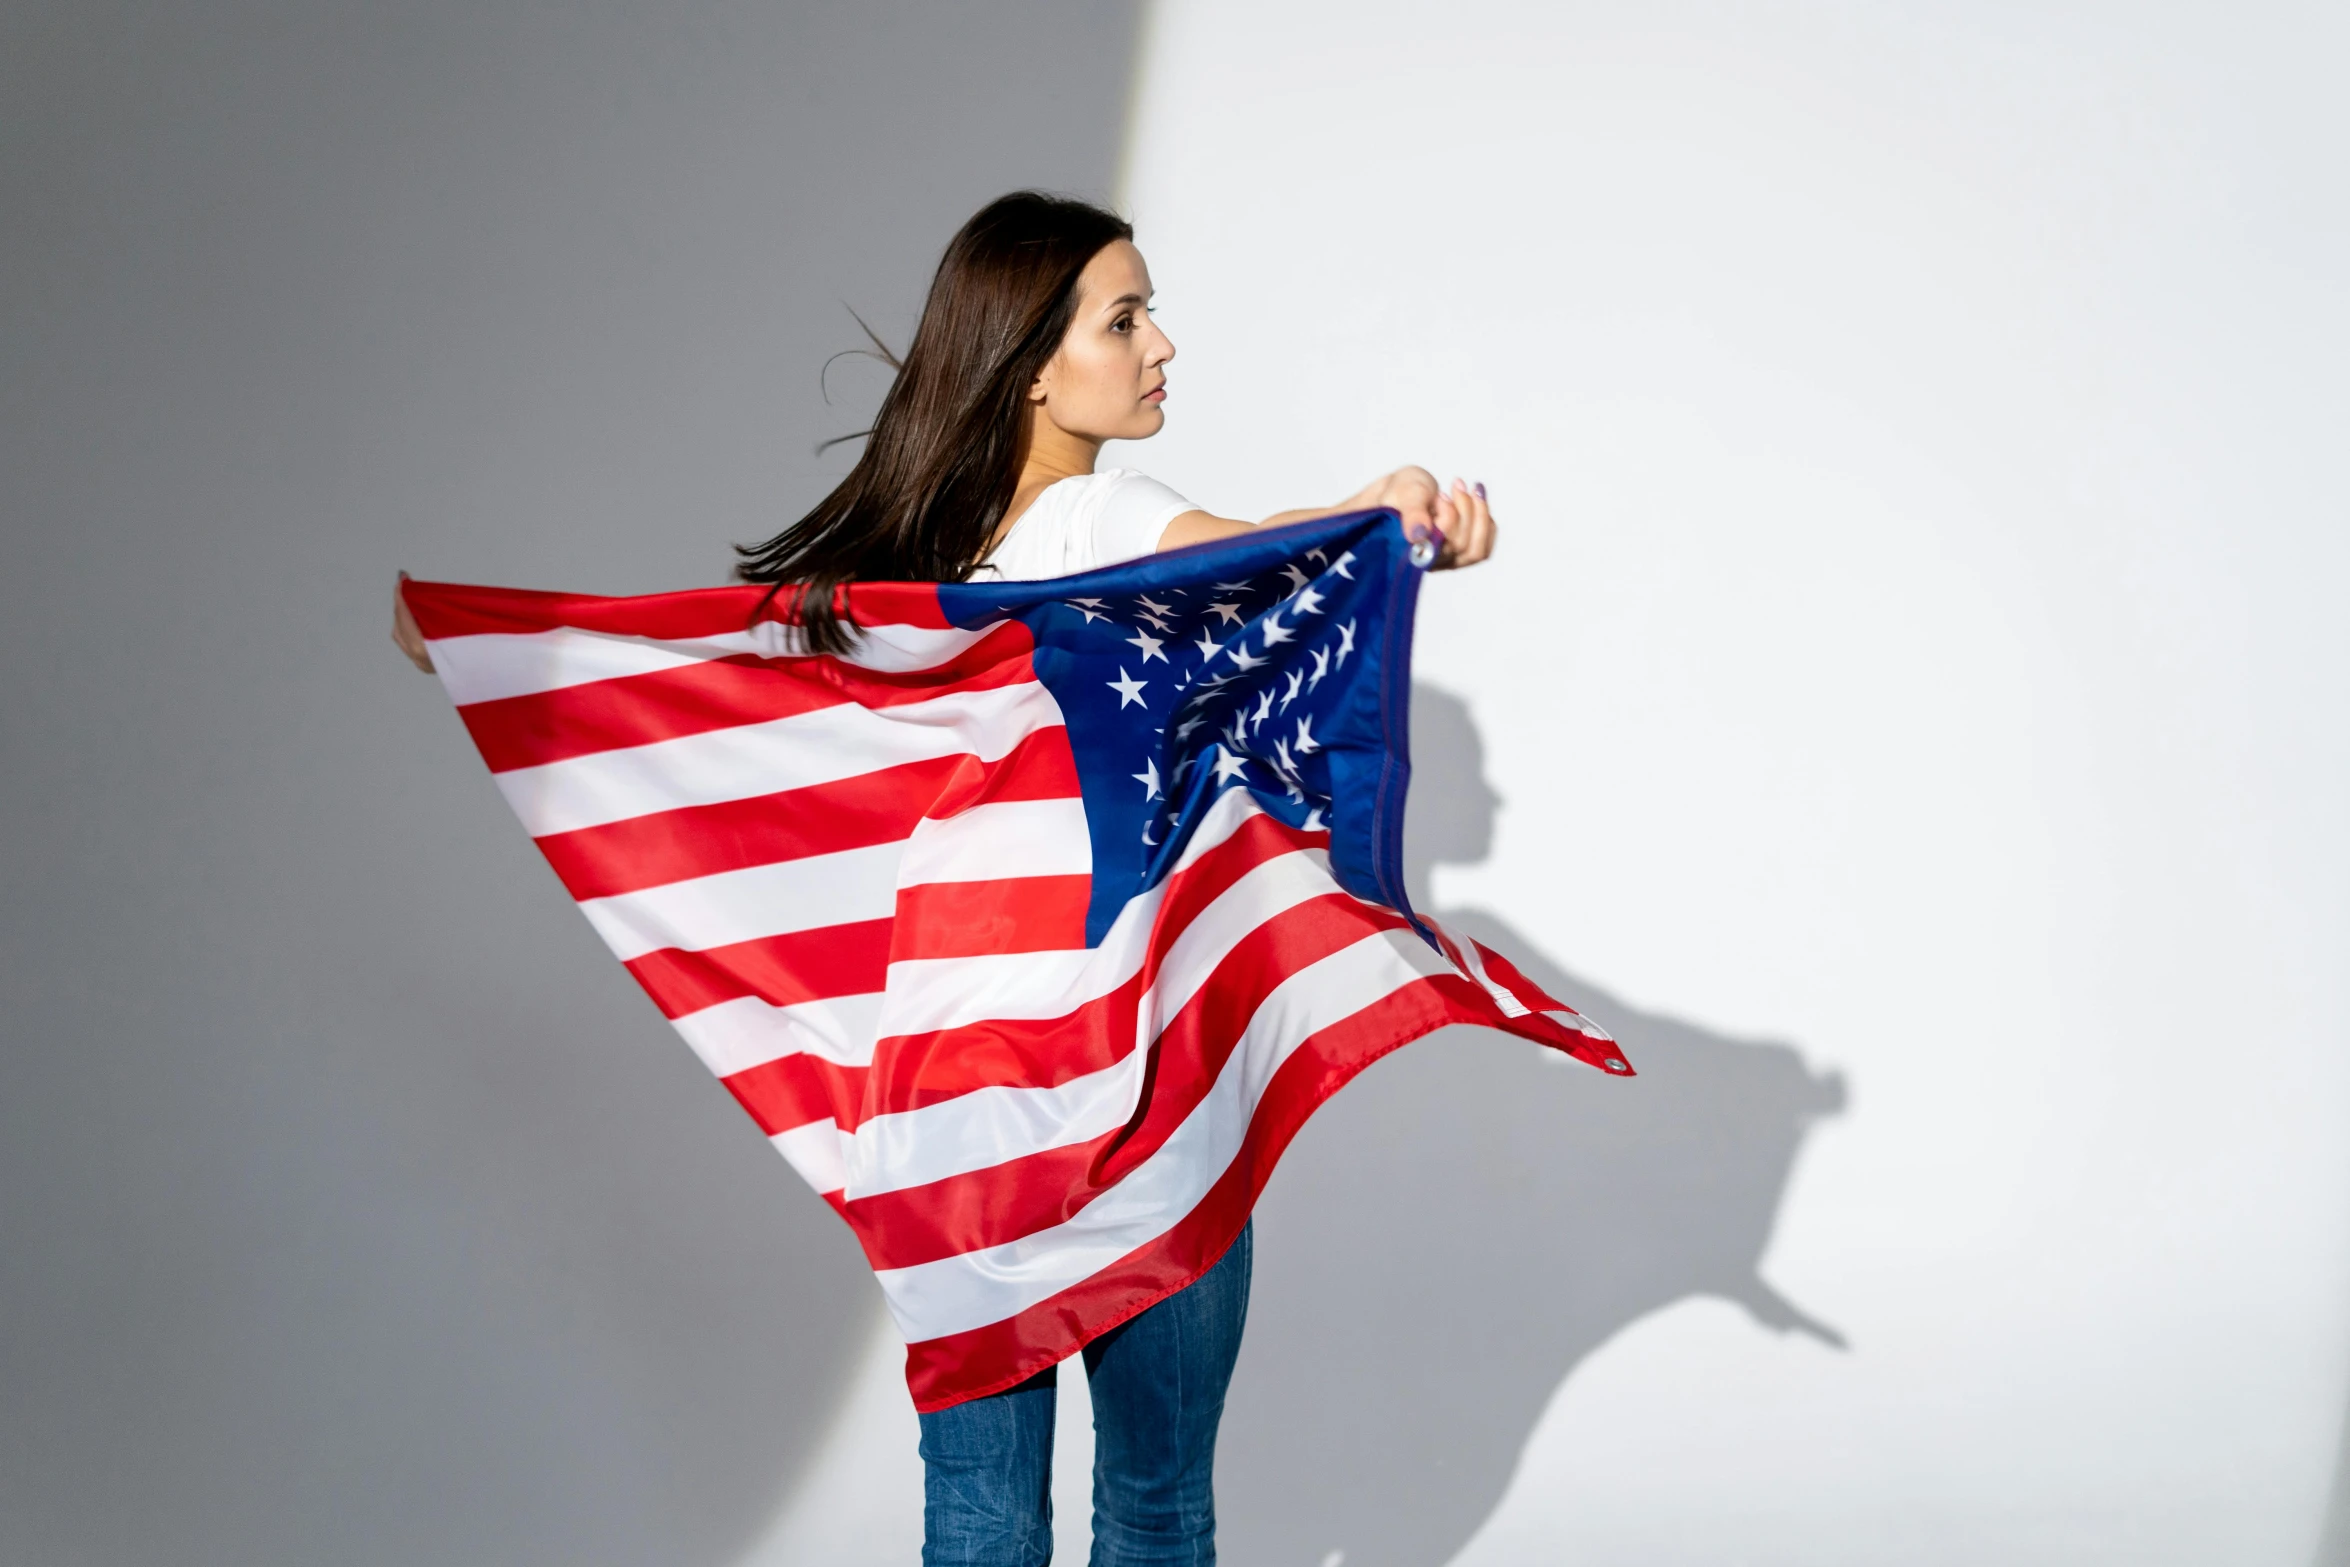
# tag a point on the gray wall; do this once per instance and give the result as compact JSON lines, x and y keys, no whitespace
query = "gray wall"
{"x":354,"y":1207}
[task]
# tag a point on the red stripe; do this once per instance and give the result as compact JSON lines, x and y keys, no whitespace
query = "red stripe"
{"x":961,"y":1366}
{"x":1021,"y":1196}
{"x":967,"y":1212}
{"x":850,"y":813}
{"x":797,"y":1089}
{"x":1600,"y":1053}
{"x":912,"y":1070}
{"x":452,"y":609}
{"x":968,"y":919}
{"x":807,"y":965}
{"x":721,"y":693}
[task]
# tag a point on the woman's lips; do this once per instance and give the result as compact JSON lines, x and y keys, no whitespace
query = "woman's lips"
{"x":1156,"y":395}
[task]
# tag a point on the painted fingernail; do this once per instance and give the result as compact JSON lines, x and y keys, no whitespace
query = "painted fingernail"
{"x":1480,"y":489}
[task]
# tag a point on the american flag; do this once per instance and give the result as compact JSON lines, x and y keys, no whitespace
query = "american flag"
{"x":1031,"y":930}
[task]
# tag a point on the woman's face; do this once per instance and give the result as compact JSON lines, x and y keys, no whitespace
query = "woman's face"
{"x":1109,"y":377}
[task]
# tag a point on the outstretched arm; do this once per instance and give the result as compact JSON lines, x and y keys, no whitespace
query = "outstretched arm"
{"x":1458,"y":516}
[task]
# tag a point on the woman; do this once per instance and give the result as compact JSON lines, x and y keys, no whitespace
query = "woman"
{"x":1036,"y":346}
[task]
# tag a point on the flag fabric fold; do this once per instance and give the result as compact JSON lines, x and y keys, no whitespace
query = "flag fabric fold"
{"x":1030,"y":930}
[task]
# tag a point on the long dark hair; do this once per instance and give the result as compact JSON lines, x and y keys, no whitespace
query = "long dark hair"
{"x":943,"y":458}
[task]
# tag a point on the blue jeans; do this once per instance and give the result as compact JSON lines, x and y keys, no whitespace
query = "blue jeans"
{"x":1158,"y":1383}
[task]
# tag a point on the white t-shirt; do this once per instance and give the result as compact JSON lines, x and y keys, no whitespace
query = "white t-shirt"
{"x":1094,"y":519}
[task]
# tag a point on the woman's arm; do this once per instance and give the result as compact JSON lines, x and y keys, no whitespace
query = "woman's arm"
{"x":1459,"y":517}
{"x":406,"y":634}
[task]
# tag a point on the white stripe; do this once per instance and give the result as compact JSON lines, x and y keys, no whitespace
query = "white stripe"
{"x":1472,"y":966}
{"x":749,"y":760}
{"x":1580,"y":1024}
{"x":1001,"y":840}
{"x":986,"y":1127}
{"x":759,"y":900}
{"x":815,"y":1151}
{"x":955,"y":1294}
{"x":490,"y":665}
{"x":926,"y":994}
{"x":736,"y":1035}
{"x":989,"y":1126}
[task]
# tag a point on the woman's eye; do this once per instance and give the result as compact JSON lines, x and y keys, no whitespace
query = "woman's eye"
{"x":1122,"y":324}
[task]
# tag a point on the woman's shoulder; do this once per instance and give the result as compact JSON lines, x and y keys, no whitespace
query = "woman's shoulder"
{"x":1098,"y":487}
{"x":1088,"y":520}
{"x":1118,"y":505}
{"x":1129,"y":490}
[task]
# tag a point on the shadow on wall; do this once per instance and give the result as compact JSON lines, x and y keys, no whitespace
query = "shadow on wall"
{"x":2333,"y":1544}
{"x":1454,"y":1232}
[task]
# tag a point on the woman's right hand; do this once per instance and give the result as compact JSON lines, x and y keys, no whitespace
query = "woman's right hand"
{"x":1465,"y":524}
{"x":405,"y":633}
{"x":1459,"y":517}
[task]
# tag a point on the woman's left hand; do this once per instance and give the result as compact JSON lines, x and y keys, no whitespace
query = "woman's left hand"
{"x":1465,"y":524}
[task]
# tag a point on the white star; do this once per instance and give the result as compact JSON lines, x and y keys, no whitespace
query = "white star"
{"x":1297,"y":578}
{"x":1228,"y":765}
{"x":1230,"y":612}
{"x":1089,"y":608}
{"x":1150,"y":646}
{"x":1297,"y":680}
{"x":1321,"y":668}
{"x":1231,"y":587}
{"x":1207,"y":687}
{"x":1287,"y":769}
{"x":1157,"y":621}
{"x":1244,"y":660}
{"x":1319,"y":554}
{"x":1346,"y":643}
{"x":1342,"y":562}
{"x":1308,"y":602}
{"x":1276,"y":632}
{"x":1152,"y":606}
{"x":1128,"y":688}
{"x":1148,"y":841}
{"x":1148,"y":778}
{"x":1183,"y":732}
{"x":1314,"y":822}
{"x":1264,"y":709}
{"x":1307,"y":745}
{"x":1208,"y":646}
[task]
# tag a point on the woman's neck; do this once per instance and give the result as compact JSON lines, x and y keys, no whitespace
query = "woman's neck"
{"x":1053,"y":455}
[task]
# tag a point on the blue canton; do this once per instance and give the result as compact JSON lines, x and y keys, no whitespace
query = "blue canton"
{"x":1278,"y":662}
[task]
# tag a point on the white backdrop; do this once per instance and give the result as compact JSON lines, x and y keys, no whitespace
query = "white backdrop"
{"x":1917,"y":636}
